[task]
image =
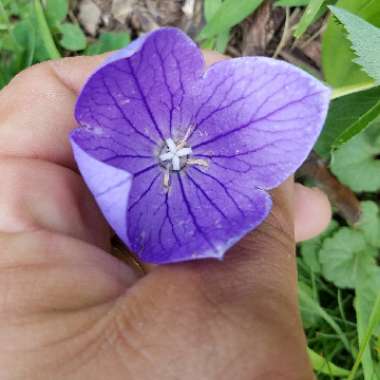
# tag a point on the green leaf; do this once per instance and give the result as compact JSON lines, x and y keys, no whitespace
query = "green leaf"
{"x":56,"y":11}
{"x":17,"y":7}
{"x":228,"y":15}
{"x":5,"y":75}
{"x":347,"y":116}
{"x":310,"y":248}
{"x":308,"y":17}
{"x":3,"y":14}
{"x":73,"y":37}
{"x":107,"y":42}
{"x":8,"y":41}
{"x":210,"y":7}
{"x":377,"y":364}
{"x":365,"y":39}
{"x":358,"y":126}
{"x":369,"y":223}
{"x":345,"y":257}
{"x":309,"y":317}
{"x":209,"y":43}
{"x":23,"y":32}
{"x":291,"y":3}
{"x":337,"y":55}
{"x":356,"y":164}
{"x":220,"y":41}
{"x":322,"y":365}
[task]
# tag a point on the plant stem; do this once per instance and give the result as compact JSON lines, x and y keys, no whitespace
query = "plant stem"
{"x":45,"y":31}
{"x":347,"y":90}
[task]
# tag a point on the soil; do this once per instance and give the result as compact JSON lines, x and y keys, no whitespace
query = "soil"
{"x":268,"y":31}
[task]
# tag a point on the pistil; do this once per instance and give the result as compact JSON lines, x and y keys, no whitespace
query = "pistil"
{"x":174,"y":155}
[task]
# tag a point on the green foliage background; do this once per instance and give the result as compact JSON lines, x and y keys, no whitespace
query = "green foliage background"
{"x":339,"y":275}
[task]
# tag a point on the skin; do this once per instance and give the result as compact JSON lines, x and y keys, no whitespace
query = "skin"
{"x":70,"y":310}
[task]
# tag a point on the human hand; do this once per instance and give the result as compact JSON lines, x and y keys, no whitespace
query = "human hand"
{"x":70,"y":310}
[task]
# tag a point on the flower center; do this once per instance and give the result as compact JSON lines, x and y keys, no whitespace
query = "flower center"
{"x":174,"y":157}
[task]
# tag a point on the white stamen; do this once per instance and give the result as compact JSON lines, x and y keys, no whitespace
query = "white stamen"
{"x":173,"y":153}
{"x":197,"y":161}
{"x":176,"y":163}
{"x":166,"y":156}
{"x":167,"y":179}
{"x":171,"y":145}
{"x":184,"y":152}
{"x":174,"y":157}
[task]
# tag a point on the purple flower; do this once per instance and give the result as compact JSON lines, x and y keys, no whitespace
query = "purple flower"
{"x":179,"y":158}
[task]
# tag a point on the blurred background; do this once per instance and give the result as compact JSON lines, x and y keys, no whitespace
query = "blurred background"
{"x":339,"y":275}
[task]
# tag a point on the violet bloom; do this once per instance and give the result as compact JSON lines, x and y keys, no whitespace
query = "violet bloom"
{"x":180,"y":158}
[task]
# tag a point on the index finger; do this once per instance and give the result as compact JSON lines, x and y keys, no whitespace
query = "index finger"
{"x":36,"y":108}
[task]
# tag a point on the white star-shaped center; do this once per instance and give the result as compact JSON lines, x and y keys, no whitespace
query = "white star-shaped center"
{"x":172,"y":154}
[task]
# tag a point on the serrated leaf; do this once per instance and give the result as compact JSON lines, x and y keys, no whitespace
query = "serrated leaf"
{"x":308,"y":17}
{"x":345,"y":257}
{"x":228,"y":15}
{"x":322,"y":365}
{"x":356,"y":164}
{"x":56,"y":11}
{"x":73,"y":37}
{"x":347,"y":113}
{"x":310,"y":248}
{"x":369,"y":222}
{"x":291,"y":3}
{"x":365,"y":39}
{"x":109,"y":41}
{"x":337,"y":55}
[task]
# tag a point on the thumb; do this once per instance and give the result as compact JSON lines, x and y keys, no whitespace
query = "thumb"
{"x":245,"y":302}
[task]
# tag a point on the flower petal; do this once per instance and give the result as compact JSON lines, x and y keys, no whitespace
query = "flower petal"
{"x":199,"y":217}
{"x":258,"y":116}
{"x":110,"y":187}
{"x":129,"y":50}
{"x":252,"y":116}
{"x":130,"y":105}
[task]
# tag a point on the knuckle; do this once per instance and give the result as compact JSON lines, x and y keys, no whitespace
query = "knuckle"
{"x":37,"y":82}
{"x":36,"y":73}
